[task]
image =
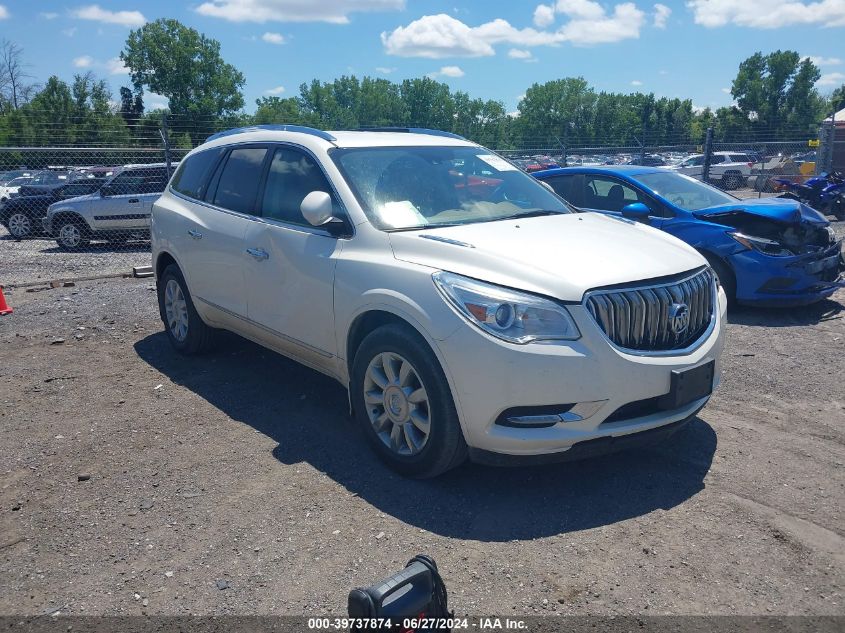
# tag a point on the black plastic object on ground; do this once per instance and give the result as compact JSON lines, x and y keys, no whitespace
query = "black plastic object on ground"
{"x":417,"y":592}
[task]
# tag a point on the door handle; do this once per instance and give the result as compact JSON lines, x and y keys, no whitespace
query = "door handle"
{"x":195,"y":234}
{"x":133,"y":201}
{"x":258,"y":253}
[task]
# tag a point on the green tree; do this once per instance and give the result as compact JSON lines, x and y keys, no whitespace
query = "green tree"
{"x":185,"y":66}
{"x":837,"y":99}
{"x":774,"y":94}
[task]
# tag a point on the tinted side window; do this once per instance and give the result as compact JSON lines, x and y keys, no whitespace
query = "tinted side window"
{"x":292,"y":176}
{"x":239,"y":180}
{"x":191,"y":177}
{"x":564,"y":186}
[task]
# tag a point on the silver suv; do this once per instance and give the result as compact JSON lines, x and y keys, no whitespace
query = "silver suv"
{"x":119,"y":211}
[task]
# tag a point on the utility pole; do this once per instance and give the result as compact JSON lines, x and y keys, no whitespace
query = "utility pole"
{"x":708,"y":154}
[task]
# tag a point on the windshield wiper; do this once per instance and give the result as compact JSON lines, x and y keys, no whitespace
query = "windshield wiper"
{"x":531,"y":214}
{"x":421,"y":227}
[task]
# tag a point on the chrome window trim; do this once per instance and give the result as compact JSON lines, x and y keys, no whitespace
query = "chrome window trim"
{"x":692,"y":347}
{"x":271,"y":147}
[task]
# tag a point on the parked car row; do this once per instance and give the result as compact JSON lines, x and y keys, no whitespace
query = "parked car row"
{"x":103,"y":203}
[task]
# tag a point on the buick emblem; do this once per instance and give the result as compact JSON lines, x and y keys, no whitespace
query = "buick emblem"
{"x":678,"y":318}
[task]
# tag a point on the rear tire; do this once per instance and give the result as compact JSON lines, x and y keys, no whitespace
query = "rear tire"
{"x":20,"y":226}
{"x":187,"y":332}
{"x":403,"y":403}
{"x":732,"y":181}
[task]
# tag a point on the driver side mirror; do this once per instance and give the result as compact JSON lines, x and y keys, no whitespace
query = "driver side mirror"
{"x":636,"y":211}
{"x":318,"y":210}
{"x":106,"y":191}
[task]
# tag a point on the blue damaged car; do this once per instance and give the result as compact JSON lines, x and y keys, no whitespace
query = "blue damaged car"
{"x":769,"y":251}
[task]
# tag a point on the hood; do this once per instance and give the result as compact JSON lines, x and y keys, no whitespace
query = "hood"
{"x":777,"y":209}
{"x":561,"y":256}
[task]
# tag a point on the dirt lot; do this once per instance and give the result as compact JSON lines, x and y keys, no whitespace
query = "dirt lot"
{"x":236,"y":483}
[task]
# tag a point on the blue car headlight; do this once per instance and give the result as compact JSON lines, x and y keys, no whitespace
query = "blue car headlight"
{"x":761,"y":245}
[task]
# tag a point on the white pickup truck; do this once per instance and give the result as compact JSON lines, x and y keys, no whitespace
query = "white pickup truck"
{"x":728,"y":170}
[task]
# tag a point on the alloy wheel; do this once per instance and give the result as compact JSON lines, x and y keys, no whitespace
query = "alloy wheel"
{"x":397,"y":404}
{"x":70,"y":235}
{"x":20,"y":225}
{"x":176,"y":310}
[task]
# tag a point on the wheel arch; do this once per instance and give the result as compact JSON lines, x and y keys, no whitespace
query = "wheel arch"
{"x":64,"y":215}
{"x":383,"y":314}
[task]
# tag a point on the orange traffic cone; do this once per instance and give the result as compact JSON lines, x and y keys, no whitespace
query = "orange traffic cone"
{"x":4,"y":307}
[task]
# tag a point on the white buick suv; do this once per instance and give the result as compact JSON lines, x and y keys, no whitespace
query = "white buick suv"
{"x":469,"y":311}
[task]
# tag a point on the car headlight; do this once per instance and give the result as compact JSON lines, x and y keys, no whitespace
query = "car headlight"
{"x":510,"y":315}
{"x":762,"y":245}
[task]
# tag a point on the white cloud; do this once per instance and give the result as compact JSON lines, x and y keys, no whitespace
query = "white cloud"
{"x":440,"y":36}
{"x":275,"y":91}
{"x":4,"y":12}
{"x":436,"y":36}
{"x":767,"y":14}
{"x":663,"y":72}
{"x":115,"y":66}
{"x":524,"y":55}
{"x":520,"y":97}
{"x":831,"y":79}
{"x":333,"y":11}
{"x":636,"y":82}
{"x":384,"y":70}
{"x":48,"y":15}
{"x":69,"y":32}
{"x":84,"y":61}
{"x":448,"y":71}
{"x":590,"y":24}
{"x":824,"y":61}
{"x":727,"y":91}
{"x":273,"y":38}
{"x":661,"y":15}
{"x":97,"y":14}
{"x":153,"y":101}
{"x":544,"y":16}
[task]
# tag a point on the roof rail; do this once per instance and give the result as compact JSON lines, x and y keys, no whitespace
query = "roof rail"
{"x":274,"y":128}
{"x":411,"y":130}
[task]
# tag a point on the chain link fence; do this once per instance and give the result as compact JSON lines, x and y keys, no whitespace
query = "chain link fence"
{"x":70,"y":212}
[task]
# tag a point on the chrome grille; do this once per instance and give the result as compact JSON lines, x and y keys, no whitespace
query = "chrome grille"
{"x":640,"y":318}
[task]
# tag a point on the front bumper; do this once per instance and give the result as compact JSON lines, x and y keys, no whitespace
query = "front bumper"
{"x":490,"y":377}
{"x":788,"y":281}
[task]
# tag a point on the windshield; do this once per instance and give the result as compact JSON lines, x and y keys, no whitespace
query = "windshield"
{"x":402,"y":188}
{"x":685,"y":192}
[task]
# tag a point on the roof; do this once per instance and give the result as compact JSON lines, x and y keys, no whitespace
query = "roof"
{"x":375,"y":137}
{"x":623,"y":170}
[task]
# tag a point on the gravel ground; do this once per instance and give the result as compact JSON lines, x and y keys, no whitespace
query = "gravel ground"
{"x":137,"y":481}
{"x":29,"y":261}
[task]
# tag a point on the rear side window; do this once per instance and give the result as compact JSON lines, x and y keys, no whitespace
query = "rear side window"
{"x":191,"y":177}
{"x":564,"y":186}
{"x":740,"y":158}
{"x":238,"y":184}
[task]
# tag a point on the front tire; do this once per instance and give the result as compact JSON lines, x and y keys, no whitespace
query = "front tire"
{"x":726,"y":277}
{"x":403,"y":403}
{"x":72,"y":235}
{"x":187,"y":332}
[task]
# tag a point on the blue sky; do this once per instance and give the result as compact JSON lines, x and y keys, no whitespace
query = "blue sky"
{"x":493,"y":49}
